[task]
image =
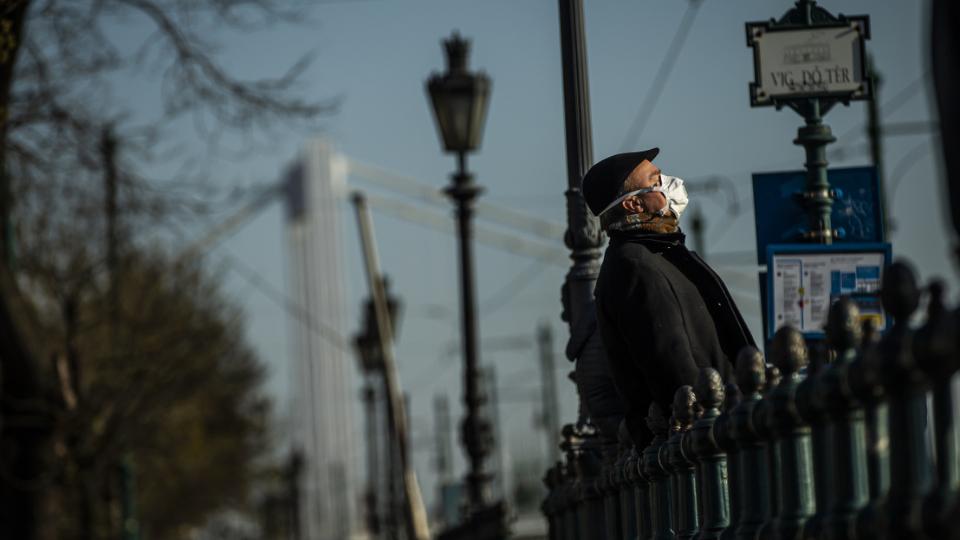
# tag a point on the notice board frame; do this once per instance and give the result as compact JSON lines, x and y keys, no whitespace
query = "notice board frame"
{"x":883,"y":248}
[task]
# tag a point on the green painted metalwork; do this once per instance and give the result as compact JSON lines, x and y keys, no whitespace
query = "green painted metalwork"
{"x":810,"y":405}
{"x":754,"y":481}
{"x":906,"y":385}
{"x":683,"y":470}
{"x":641,"y":494}
{"x":589,"y":498}
{"x":553,"y":480}
{"x":607,"y":485}
{"x":711,"y":459}
{"x":568,"y":496}
{"x":846,"y":416}
{"x":935,"y":347}
{"x":627,"y":463}
{"x":791,"y":435}
{"x":659,"y":491}
{"x":761,"y":423}
{"x":866,"y":385}
{"x":724,"y":437}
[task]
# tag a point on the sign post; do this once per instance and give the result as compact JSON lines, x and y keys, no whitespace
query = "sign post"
{"x":810,"y":60}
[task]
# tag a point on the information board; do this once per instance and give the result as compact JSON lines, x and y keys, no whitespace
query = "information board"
{"x":805,"y":279}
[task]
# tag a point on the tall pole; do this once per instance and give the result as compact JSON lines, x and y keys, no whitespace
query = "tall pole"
{"x":548,"y":393}
{"x":475,"y":430}
{"x":373,"y":455}
{"x":814,"y":137}
{"x":875,"y":134}
{"x":697,"y":224}
{"x":584,"y":236}
{"x":416,"y":517}
{"x":493,"y":413}
{"x":444,"y":446}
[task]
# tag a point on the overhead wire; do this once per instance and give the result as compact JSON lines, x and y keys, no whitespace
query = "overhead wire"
{"x":516,"y":220}
{"x":662,"y":75}
{"x":289,"y":305}
{"x":508,"y":291}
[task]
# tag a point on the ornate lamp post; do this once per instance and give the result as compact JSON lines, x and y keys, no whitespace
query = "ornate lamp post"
{"x":459,"y":100}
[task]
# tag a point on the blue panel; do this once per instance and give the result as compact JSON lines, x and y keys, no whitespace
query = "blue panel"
{"x":780,"y":219}
{"x":868,"y":272}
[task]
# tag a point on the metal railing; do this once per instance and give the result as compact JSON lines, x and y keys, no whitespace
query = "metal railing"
{"x":835,"y":444}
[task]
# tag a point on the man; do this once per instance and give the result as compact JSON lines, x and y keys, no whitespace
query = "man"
{"x":663,"y":313}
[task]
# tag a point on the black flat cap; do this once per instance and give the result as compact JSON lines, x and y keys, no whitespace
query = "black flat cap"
{"x":603,"y":182}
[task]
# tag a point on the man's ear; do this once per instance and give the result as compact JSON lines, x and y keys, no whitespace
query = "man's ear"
{"x":632,"y":205}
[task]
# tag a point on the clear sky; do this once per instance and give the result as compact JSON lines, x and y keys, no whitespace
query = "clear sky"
{"x":374,"y":55}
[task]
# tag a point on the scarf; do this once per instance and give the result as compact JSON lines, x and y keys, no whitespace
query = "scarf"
{"x":617,"y":220}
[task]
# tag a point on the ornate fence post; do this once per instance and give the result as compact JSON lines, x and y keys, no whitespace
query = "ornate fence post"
{"x":846,"y":414}
{"x":936,"y":350}
{"x":761,"y":424}
{"x":568,"y":493}
{"x":641,"y":493}
{"x":723,"y":434}
{"x":810,"y":405}
{"x":754,"y":479}
{"x":867,"y":387}
{"x":682,"y":469}
{"x":552,"y":480}
{"x":906,"y":386}
{"x":628,"y":463}
{"x":610,"y":491}
{"x":711,"y":460}
{"x":659,"y":493}
{"x":791,"y":436}
{"x":588,"y":495}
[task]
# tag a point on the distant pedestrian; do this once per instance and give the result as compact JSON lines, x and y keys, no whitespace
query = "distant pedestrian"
{"x":662,"y":312}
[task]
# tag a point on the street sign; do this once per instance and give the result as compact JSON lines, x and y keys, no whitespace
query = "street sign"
{"x":803,"y":280}
{"x":822,"y":61}
{"x":856,"y":213}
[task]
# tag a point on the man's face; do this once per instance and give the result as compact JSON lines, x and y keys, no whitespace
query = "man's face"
{"x":644,"y":175}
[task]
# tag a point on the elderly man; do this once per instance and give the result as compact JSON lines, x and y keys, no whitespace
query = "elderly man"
{"x":662,"y":312}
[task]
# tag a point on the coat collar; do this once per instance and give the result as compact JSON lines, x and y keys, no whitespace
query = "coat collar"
{"x":654,"y":242}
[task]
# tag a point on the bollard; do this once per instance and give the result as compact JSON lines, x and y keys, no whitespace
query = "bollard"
{"x":724,"y":437}
{"x":906,"y":387}
{"x":810,"y":405}
{"x":659,"y":491}
{"x":866,"y":385}
{"x":761,"y":423}
{"x":847,"y":422}
{"x":791,"y":436}
{"x":683,"y":470}
{"x":628,"y":515}
{"x":754,"y":480}
{"x":936,"y":351}
{"x":711,"y":460}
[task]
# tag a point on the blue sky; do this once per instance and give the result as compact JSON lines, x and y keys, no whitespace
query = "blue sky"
{"x":375,"y":55}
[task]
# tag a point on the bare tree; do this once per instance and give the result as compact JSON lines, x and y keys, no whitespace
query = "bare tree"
{"x":75,"y":197}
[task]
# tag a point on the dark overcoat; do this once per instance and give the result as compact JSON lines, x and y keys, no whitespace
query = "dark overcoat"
{"x":663,"y":314}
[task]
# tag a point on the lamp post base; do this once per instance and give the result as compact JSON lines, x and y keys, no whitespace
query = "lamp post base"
{"x":487,"y":523}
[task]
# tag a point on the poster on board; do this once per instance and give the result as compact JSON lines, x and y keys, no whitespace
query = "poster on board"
{"x":805,"y":279}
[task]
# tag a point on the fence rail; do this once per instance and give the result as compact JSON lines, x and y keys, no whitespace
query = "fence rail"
{"x":834,"y":444}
